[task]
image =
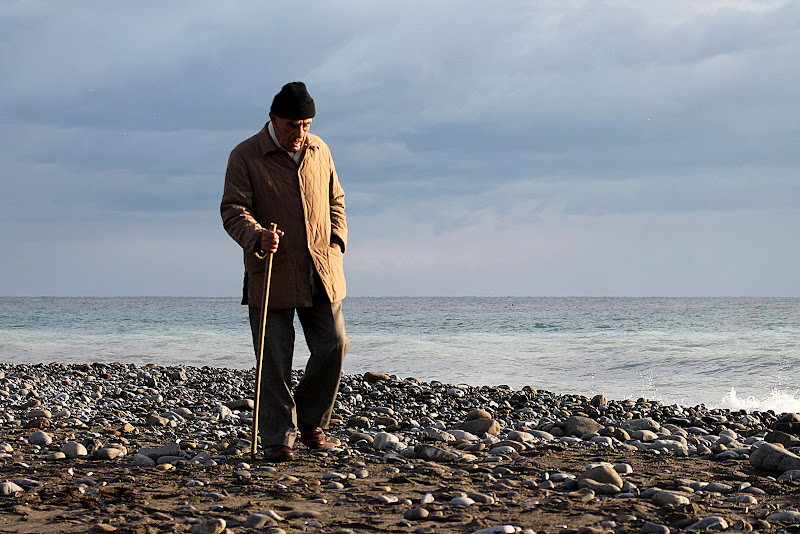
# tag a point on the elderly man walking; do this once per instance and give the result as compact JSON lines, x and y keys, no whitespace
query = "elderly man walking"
{"x":285,"y":175}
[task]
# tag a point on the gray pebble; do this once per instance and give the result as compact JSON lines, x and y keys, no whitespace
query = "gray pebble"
{"x":40,"y":438}
{"x":73,"y":450}
{"x":212,"y":526}
{"x":257,"y":521}
{"x":303,"y":514}
{"x":786,"y":516}
{"x":415,"y":514}
{"x":9,"y":488}
{"x":709,"y":523}
{"x":654,"y":528}
{"x":462,"y":501}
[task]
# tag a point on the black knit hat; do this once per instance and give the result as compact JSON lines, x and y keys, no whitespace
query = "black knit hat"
{"x":294,"y":102}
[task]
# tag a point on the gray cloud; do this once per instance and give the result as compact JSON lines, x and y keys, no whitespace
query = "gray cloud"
{"x":569,"y":121}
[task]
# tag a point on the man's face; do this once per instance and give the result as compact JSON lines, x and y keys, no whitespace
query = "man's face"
{"x":291,"y":134}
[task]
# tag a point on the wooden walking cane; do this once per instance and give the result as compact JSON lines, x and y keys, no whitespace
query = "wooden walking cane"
{"x":261,"y":330}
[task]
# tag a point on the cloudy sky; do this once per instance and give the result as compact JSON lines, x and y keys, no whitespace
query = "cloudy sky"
{"x":542,"y":148}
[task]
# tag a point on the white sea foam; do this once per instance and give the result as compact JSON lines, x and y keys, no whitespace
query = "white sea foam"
{"x":779,"y":401}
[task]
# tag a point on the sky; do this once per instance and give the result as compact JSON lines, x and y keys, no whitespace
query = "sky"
{"x":512,"y":148}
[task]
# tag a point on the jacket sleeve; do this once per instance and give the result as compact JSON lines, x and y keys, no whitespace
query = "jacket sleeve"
{"x":237,"y":205}
{"x":338,"y":218}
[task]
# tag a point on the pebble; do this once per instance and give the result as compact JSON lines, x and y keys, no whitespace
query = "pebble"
{"x":107,"y":453}
{"x":665,"y":498}
{"x":747,"y":500}
{"x":709,"y":523}
{"x":415,"y":514}
{"x":9,"y":488}
{"x":272,"y":515}
{"x":770,"y":457}
{"x":303,"y":514}
{"x":40,"y":438}
{"x":583,"y":495}
{"x":257,"y":521}
{"x":143,"y":461}
{"x":718,"y":487}
{"x":786,"y":516}
{"x":72,"y":449}
{"x":792,"y":474}
{"x":603,"y":473}
{"x":655,"y":528}
{"x":212,"y":526}
{"x":502,"y":529}
{"x":579,"y":425}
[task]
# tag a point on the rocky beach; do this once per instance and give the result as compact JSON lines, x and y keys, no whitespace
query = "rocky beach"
{"x":152,"y":449}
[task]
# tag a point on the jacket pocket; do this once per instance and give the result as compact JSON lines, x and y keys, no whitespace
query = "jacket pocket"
{"x":336,"y":270}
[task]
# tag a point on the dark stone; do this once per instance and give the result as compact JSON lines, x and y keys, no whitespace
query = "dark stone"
{"x":787,"y":440}
{"x":789,"y":427}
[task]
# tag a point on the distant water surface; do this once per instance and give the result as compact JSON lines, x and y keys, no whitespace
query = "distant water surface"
{"x":722,"y":352}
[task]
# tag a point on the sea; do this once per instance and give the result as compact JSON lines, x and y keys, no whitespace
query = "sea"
{"x":734,"y":353}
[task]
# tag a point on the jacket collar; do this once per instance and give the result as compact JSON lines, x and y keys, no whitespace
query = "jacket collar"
{"x":267,"y":145}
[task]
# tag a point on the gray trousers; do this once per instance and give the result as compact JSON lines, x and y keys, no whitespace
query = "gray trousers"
{"x":280,"y":412}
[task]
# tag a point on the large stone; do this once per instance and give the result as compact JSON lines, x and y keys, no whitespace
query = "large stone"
{"x":577,"y":425}
{"x":143,"y":461}
{"x":372,"y":377}
{"x":518,"y":435}
{"x":39,"y":414}
{"x":40,"y":438}
{"x":436,"y":454}
{"x":212,"y":526}
{"x":769,"y":457}
{"x":72,"y":450}
{"x":791,"y":474}
{"x":598,"y":400}
{"x":603,"y":473}
{"x":171,"y":449}
{"x":600,"y":488}
{"x":666,"y":498}
{"x":644,"y":436}
{"x":240,"y":404}
{"x":463,"y":435}
{"x":785,"y":516}
{"x":502,"y":529}
{"x":787,"y":440}
{"x":478,"y":414}
{"x":481,"y":426}
{"x":107,"y":453}
{"x":258,"y":521}
{"x":709,"y":523}
{"x":156,"y":420}
{"x":9,"y":488}
{"x":642,"y":424}
{"x":382,"y":439}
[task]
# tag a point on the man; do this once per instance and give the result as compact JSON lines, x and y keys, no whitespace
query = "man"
{"x":285,"y":175}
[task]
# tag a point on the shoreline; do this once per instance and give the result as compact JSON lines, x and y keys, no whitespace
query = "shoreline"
{"x":148,"y":449}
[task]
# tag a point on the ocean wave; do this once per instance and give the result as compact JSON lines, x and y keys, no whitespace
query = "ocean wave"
{"x":777,"y":400}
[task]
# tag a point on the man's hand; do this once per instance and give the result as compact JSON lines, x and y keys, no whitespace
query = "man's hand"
{"x":270,"y":240}
{"x":336,"y":246}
